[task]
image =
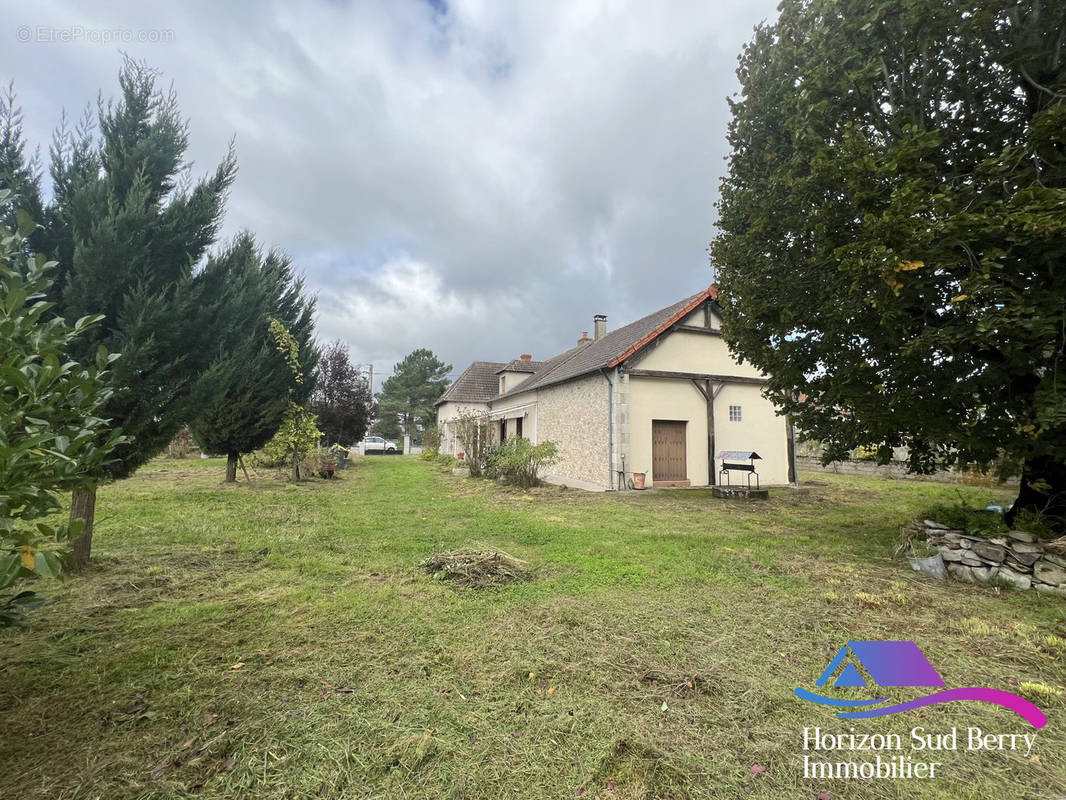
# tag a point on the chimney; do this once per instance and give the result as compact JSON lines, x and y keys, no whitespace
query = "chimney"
{"x":527,"y":356}
{"x":584,"y":338}
{"x":599,"y":324}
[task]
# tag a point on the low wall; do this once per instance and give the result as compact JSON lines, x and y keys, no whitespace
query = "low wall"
{"x":895,"y":469}
{"x":1016,"y":558}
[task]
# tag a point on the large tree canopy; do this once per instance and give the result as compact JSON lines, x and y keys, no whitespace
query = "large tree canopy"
{"x":409,"y":394}
{"x":892,"y":246}
{"x":342,"y":399}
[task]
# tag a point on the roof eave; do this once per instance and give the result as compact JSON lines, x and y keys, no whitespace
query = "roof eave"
{"x":710,"y":293}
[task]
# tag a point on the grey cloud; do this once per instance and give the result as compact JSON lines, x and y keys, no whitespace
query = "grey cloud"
{"x":479,"y":180}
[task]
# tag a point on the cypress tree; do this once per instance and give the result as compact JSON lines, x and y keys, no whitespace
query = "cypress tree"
{"x":245,"y":394}
{"x":128,"y":229}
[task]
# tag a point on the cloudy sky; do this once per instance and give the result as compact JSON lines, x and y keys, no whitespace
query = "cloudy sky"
{"x":479,"y":177}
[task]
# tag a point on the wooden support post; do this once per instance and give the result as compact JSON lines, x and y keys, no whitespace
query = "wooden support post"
{"x":793,"y":474}
{"x":709,"y":394}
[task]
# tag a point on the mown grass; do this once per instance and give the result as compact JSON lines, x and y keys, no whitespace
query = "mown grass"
{"x":278,"y":641}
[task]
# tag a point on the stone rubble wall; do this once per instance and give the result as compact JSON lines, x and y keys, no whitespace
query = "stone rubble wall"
{"x":1016,"y":557}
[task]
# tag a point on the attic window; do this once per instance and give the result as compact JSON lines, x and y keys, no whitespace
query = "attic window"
{"x":735,"y":414}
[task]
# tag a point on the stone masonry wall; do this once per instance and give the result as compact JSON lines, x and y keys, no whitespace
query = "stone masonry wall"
{"x":1017,"y":558}
{"x":895,"y":469}
{"x":574,"y":416}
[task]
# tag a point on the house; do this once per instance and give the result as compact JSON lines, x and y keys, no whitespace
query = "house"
{"x":661,"y":395}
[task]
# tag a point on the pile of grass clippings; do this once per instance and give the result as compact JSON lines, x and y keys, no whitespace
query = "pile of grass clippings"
{"x":478,"y":569}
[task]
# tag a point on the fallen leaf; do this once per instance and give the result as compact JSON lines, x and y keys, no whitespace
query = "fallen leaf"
{"x":757,"y":769}
{"x":664,"y":706}
{"x":551,"y":690}
{"x":824,"y":796}
{"x":227,"y":765}
{"x":188,"y":743}
{"x":238,"y":665}
{"x":210,"y":719}
{"x":610,"y":786}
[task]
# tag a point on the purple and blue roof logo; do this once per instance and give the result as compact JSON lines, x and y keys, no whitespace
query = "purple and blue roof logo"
{"x":901,"y":664}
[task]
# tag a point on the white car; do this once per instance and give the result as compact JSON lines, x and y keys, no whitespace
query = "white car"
{"x":375,"y":444}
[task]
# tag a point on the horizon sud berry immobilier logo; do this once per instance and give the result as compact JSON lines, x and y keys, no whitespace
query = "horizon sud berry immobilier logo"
{"x":900,"y":664}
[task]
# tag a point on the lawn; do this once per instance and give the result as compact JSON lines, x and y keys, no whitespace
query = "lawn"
{"x":278,"y":641}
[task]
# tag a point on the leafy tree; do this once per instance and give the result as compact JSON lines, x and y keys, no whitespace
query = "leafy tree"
{"x":387,"y":425}
{"x":408,"y":395}
{"x":342,"y":399}
{"x":51,"y":434}
{"x":892,"y":246}
{"x":128,"y":228}
{"x":299,"y":433}
{"x":245,"y":394}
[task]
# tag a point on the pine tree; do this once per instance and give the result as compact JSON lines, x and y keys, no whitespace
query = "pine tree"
{"x":128,"y":229}
{"x":342,"y":398}
{"x":245,"y":394}
{"x":416,"y":383}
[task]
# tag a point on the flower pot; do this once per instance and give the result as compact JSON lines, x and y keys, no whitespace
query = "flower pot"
{"x":638,"y":480}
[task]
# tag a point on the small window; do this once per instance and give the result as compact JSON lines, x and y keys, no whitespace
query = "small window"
{"x":735,"y":414}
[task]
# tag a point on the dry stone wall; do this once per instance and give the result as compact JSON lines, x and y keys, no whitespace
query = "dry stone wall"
{"x":1017,"y":558}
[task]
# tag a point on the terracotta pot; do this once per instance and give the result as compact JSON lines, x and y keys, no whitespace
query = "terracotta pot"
{"x":638,"y":480}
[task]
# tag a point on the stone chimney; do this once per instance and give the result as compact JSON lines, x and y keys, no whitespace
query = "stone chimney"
{"x":527,"y":356}
{"x":584,"y":338}
{"x":599,"y":325}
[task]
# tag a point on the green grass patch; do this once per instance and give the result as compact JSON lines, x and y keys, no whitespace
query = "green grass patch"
{"x":279,"y":641}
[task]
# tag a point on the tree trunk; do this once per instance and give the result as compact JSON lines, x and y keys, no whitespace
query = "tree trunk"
{"x":1043,"y":490}
{"x":83,"y":507}
{"x":231,"y":467}
{"x":295,"y":467}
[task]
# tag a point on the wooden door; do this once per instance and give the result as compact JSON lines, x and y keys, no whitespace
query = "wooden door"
{"x":668,"y":457}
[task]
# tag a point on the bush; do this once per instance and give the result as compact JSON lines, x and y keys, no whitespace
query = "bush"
{"x":53,"y":439}
{"x":294,"y":441}
{"x":431,"y":440}
{"x":518,"y":461}
{"x":974,"y":521}
{"x":473,"y":431}
{"x":440,"y":459}
{"x":182,"y":445}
